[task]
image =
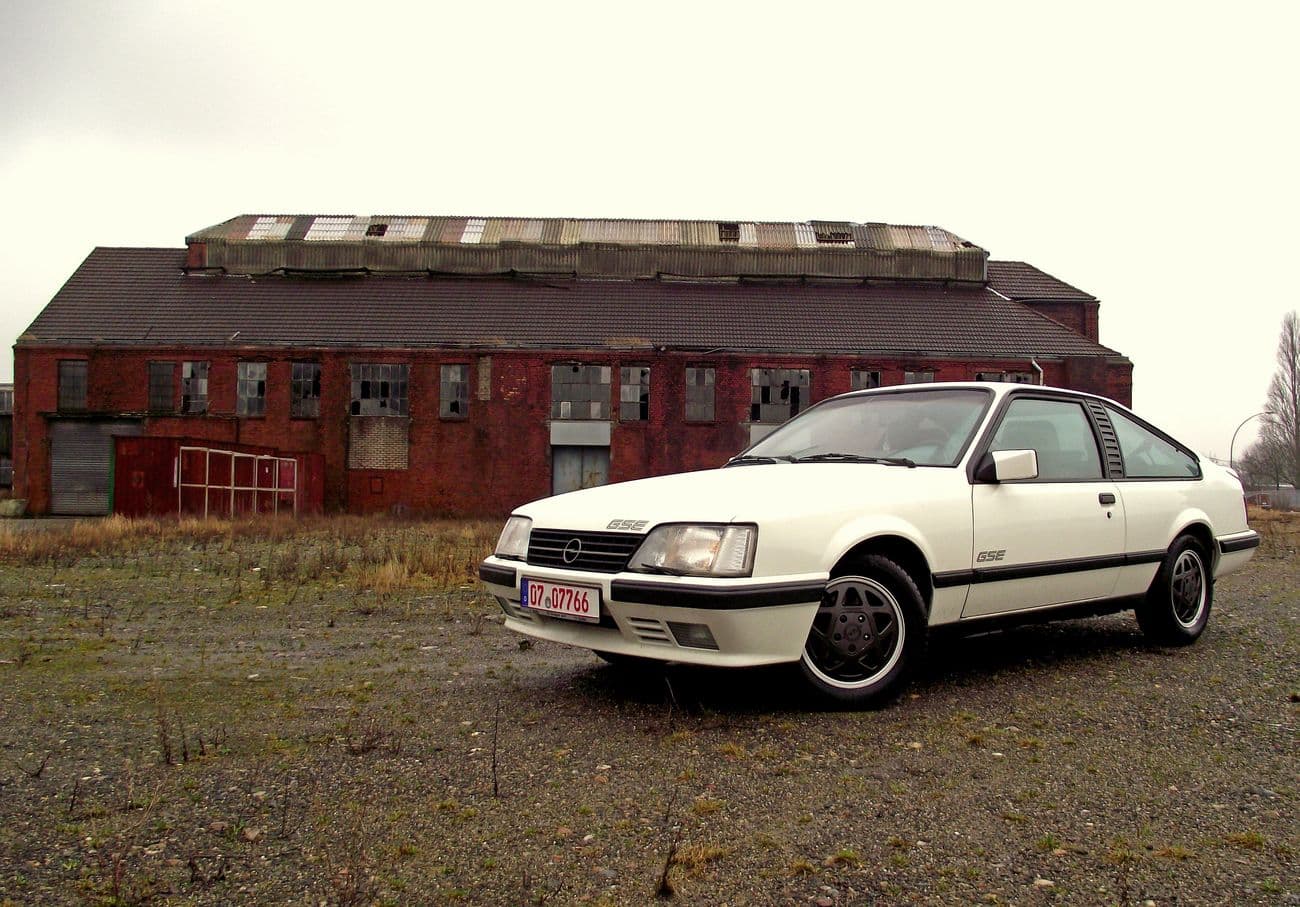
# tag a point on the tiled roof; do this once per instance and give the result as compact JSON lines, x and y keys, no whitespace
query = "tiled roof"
{"x":143,"y":297}
{"x":1018,"y":280}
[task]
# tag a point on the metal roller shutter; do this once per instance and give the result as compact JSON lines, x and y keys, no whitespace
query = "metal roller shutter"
{"x":81,"y":459}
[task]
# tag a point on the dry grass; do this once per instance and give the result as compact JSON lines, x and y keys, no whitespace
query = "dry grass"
{"x":1280,"y":530}
{"x":376,"y":554}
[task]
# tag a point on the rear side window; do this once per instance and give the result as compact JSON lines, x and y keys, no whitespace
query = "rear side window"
{"x":1059,"y":431}
{"x":1149,"y":456}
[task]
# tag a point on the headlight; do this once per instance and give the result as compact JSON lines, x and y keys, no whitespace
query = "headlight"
{"x":697,"y":551}
{"x":514,"y":538}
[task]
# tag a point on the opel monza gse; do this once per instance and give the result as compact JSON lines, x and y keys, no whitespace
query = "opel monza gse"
{"x":842,"y":539}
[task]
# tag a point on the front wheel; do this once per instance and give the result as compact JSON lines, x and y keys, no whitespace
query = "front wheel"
{"x":868,"y":634}
{"x":1177,"y":606}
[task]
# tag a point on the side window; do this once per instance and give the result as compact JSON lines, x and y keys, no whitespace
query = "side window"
{"x":1059,"y":431}
{"x":1148,"y":456}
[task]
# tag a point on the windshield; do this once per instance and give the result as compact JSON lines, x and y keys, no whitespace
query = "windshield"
{"x":921,"y":428}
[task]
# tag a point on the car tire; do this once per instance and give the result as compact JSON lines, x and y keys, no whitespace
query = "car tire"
{"x":868,"y":634}
{"x":1177,"y":606}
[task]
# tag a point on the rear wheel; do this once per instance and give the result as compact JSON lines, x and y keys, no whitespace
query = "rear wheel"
{"x":1177,"y":606}
{"x":868,"y":633}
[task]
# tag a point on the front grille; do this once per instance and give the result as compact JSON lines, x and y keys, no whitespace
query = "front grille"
{"x":599,"y":552}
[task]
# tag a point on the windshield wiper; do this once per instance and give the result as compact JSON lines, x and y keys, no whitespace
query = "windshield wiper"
{"x":834,"y":457}
{"x":750,"y":460}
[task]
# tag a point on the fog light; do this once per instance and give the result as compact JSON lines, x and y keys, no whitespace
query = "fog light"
{"x":694,"y":636}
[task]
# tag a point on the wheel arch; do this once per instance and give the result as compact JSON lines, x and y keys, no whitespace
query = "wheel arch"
{"x":1199,"y":529}
{"x":902,"y":551}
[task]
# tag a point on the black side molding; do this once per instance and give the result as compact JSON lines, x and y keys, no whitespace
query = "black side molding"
{"x":1044,"y":568}
{"x":720,"y":598}
{"x":498,"y":576}
{"x":1241,"y":544}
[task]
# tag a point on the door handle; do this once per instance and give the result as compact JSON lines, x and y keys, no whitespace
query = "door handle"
{"x":1106,"y":498}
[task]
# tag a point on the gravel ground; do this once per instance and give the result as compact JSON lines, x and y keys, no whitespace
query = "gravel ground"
{"x":173,"y":729}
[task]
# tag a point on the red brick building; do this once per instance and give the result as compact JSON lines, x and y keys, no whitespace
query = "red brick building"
{"x":465,"y":365}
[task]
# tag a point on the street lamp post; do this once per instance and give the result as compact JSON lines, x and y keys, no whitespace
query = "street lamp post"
{"x":1233,"y":442}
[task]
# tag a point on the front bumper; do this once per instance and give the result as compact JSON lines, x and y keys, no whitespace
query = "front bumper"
{"x":751,"y":622}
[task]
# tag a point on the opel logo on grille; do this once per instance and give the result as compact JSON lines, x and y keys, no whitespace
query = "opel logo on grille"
{"x":572,"y":551}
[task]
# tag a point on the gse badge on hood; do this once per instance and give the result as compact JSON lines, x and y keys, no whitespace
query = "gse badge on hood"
{"x":627,"y":525}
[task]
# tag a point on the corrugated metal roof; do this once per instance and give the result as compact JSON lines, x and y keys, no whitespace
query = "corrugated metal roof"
{"x":144,"y":297}
{"x":644,"y":248}
{"x":1018,"y":280}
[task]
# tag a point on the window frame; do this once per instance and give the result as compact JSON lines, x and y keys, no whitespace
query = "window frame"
{"x":556,"y":411}
{"x":401,"y":377}
{"x":298,"y":382}
{"x":1112,"y":410}
{"x":803,"y":405}
{"x":155,"y":378}
{"x":1035,"y":392}
{"x":712,"y":385}
{"x":642,"y":384}
{"x":195,"y":404}
{"x":62,"y":405}
{"x":242,"y":380}
{"x":461,"y":396}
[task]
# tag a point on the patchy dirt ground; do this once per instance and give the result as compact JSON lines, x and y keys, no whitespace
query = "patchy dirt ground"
{"x":233,"y":719}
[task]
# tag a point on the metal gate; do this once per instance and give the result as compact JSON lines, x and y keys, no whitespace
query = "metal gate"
{"x":81,"y":465}
{"x":578,"y":467}
{"x":215,"y":482}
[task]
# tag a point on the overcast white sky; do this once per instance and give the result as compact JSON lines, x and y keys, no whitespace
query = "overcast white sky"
{"x":1144,"y":152}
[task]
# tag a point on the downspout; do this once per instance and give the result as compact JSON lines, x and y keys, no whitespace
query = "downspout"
{"x":1038,"y":368}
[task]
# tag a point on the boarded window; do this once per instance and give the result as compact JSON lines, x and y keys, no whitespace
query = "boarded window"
{"x":861,"y":379}
{"x":485,"y":377}
{"x":304,"y":389}
{"x":580,"y":391}
{"x":453,"y":395}
{"x":162,"y":387}
{"x":378,"y":442}
{"x":6,"y":401}
{"x":194,"y":387}
{"x":252,"y":389}
{"x":634,"y":393}
{"x":379,"y":389}
{"x":918,"y":377}
{"x":832,"y":232}
{"x":72,"y":385}
{"x":778,"y":393}
{"x":699,"y":394}
{"x":729,"y":232}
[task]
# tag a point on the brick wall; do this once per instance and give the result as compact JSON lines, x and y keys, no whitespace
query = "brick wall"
{"x":486,"y":464}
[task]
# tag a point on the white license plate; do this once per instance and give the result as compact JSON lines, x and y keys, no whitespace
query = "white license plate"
{"x":560,"y":599}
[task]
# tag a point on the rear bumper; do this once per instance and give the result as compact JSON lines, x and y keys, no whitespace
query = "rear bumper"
{"x":1235,"y":551}
{"x":748,"y":622}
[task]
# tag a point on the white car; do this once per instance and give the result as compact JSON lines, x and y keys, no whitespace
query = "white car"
{"x":840,"y":540}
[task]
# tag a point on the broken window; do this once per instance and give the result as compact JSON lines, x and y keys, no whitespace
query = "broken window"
{"x":729,"y":232}
{"x":1011,"y":377}
{"x":72,"y":385}
{"x":832,"y":232}
{"x":634,"y":393}
{"x":376,"y":229}
{"x":453,"y":397}
{"x":304,"y":389}
{"x":379,"y":389}
{"x":6,"y":401}
{"x":699,"y":393}
{"x":251,"y":381}
{"x":580,"y":391}
{"x":918,"y":377}
{"x":778,"y":393}
{"x":162,"y":387}
{"x":194,"y":387}
{"x":861,"y":379}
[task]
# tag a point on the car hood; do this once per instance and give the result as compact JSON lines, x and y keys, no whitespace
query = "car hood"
{"x":740,"y":494}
